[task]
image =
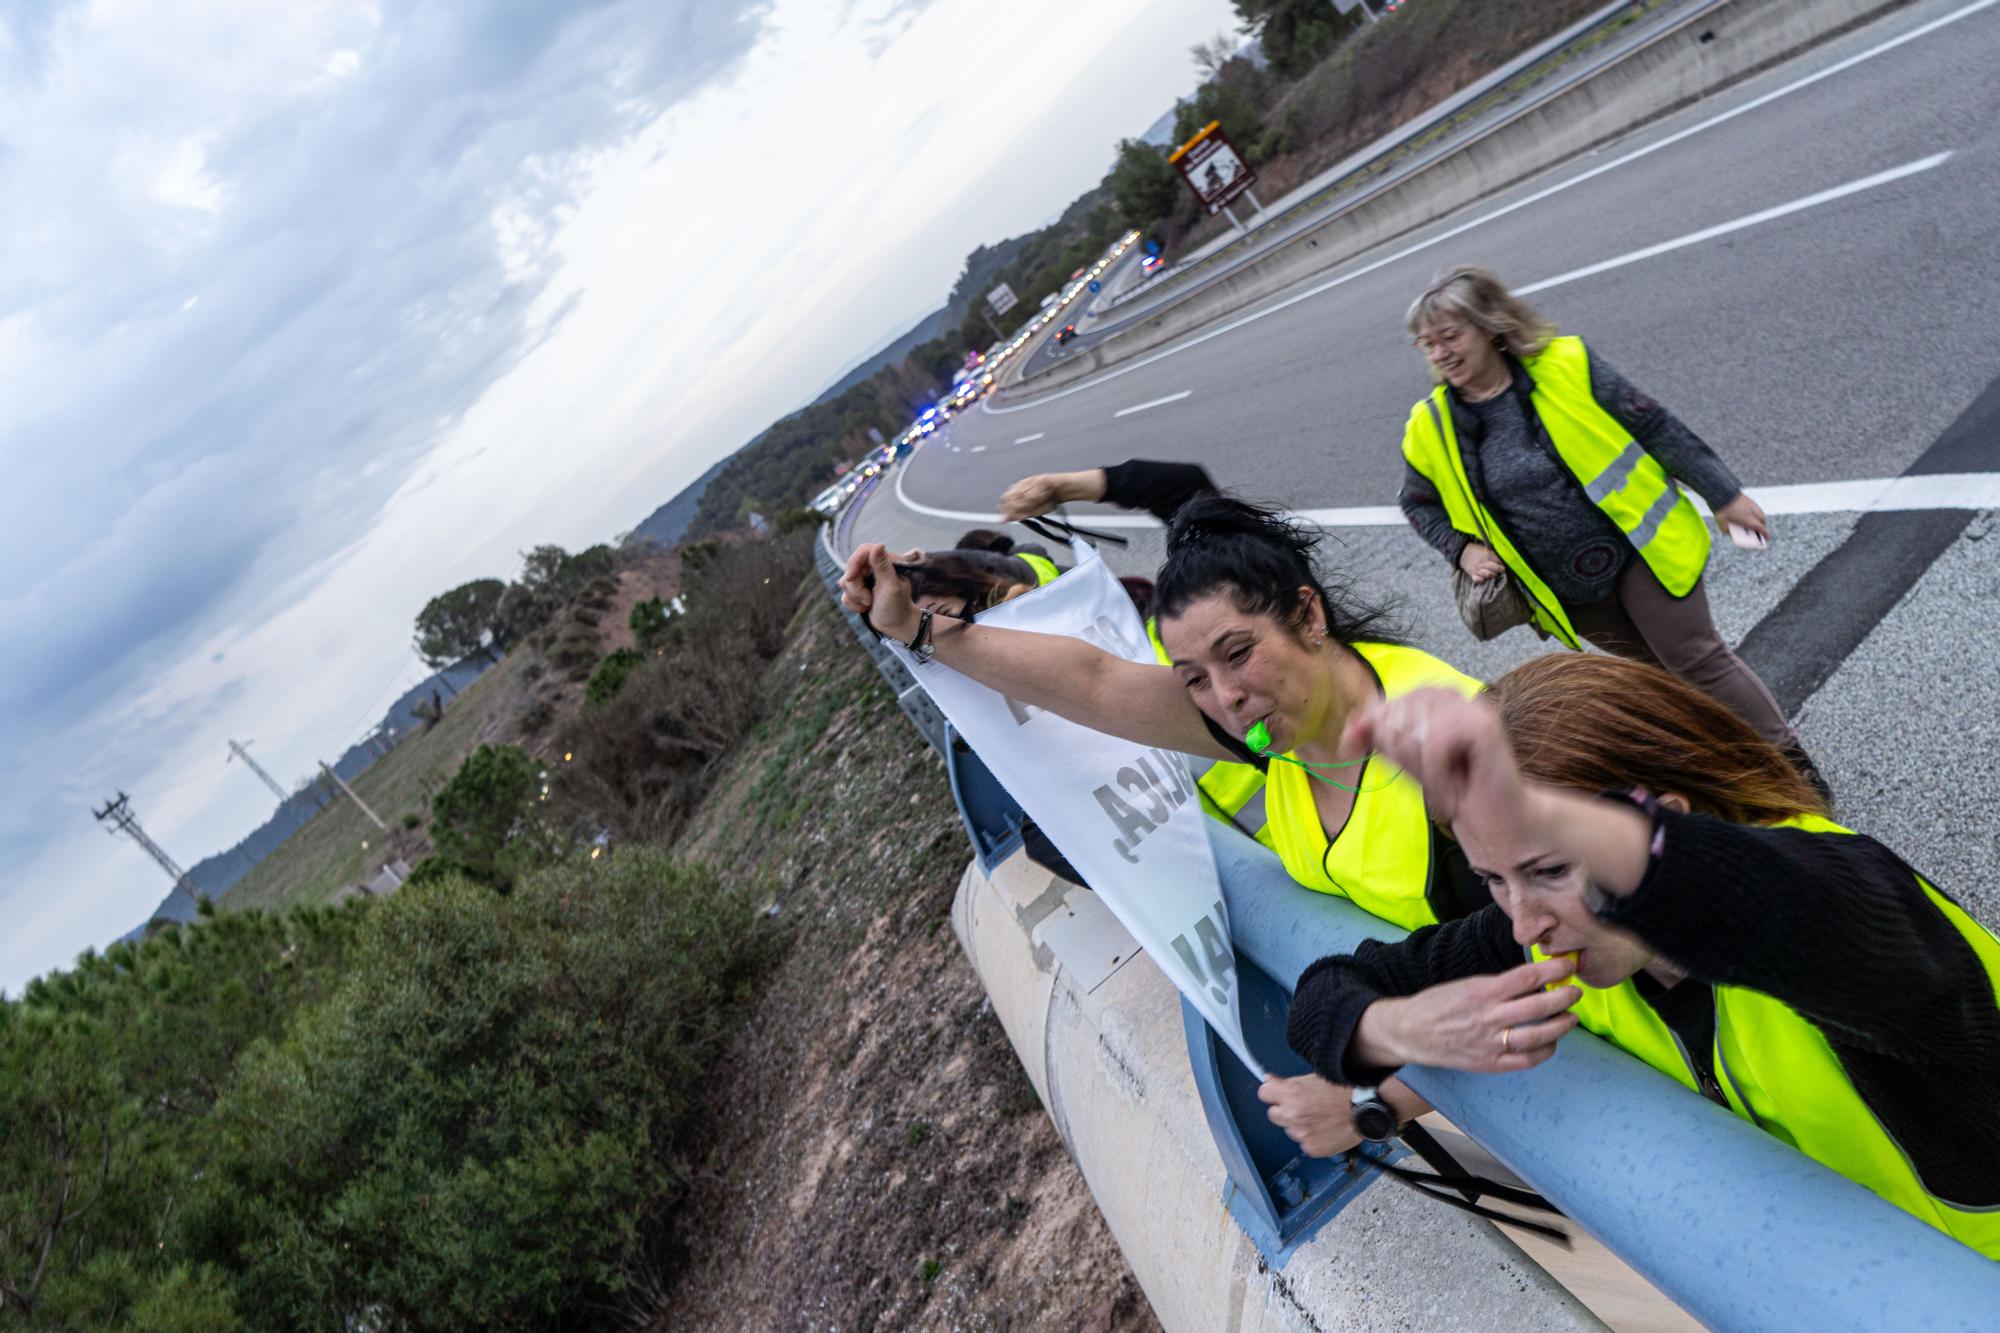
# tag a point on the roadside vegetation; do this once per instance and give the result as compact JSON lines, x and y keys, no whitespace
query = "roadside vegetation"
{"x":671,"y":1035}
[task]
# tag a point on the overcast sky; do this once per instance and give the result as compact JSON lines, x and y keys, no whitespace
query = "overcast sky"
{"x":310,"y":310}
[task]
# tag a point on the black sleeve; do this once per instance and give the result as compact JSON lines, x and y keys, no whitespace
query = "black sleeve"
{"x":1833,"y":924}
{"x":1425,"y":511}
{"x":1663,"y":435}
{"x":1242,"y":753}
{"x":1333,"y":993}
{"x":1158,"y":488}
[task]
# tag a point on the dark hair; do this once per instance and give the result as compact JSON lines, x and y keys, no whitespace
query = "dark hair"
{"x":1140,"y":590}
{"x":985,"y":539}
{"x":978,"y":579}
{"x":1261,"y":557}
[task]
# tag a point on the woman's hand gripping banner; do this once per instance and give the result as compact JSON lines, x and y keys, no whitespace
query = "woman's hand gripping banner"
{"x":1127,"y":817}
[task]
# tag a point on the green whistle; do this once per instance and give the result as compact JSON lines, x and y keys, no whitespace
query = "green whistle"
{"x":1258,"y":738}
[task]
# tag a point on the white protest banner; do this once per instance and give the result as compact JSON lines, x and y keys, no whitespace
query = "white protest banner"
{"x":1128,"y":817}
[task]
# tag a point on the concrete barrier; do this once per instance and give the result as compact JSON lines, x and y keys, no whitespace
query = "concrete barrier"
{"x":1690,"y":60}
{"x":1098,"y":1030}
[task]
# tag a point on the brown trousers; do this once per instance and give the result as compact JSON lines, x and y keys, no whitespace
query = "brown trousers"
{"x":1642,"y":620}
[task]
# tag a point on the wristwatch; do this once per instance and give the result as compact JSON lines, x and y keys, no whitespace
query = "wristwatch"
{"x":920,"y":644}
{"x":1373,"y":1120}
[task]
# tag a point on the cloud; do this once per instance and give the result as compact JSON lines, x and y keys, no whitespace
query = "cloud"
{"x":359,"y":266}
{"x":276,"y":254}
{"x":355,"y":301}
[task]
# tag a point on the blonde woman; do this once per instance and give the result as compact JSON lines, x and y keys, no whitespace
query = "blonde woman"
{"x":1534,"y":458}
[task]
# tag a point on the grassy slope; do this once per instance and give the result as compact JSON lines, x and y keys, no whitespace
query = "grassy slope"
{"x":327,"y":853}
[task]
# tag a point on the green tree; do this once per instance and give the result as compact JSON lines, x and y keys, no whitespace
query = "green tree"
{"x":1296,"y":34}
{"x":482,"y":821}
{"x":478,"y":1130}
{"x":108,"y":1075}
{"x":456,"y":624}
{"x":1144,"y":184}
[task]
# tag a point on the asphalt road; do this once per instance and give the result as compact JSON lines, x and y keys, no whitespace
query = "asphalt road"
{"x":1824,"y":306}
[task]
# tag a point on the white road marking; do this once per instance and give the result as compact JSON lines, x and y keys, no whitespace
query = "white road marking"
{"x":1030,"y":439}
{"x":1924,"y":30}
{"x":1747,"y":220}
{"x":1955,"y":490}
{"x":1157,"y":402}
{"x":978,"y":448}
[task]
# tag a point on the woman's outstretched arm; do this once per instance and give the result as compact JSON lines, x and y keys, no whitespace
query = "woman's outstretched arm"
{"x":1068,"y":677}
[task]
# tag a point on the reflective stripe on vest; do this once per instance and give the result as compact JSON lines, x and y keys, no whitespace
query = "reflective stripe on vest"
{"x":1231,"y":792}
{"x":1045,"y":568}
{"x":1776,"y":1069}
{"x":1381,"y":857}
{"x":1624,"y":481}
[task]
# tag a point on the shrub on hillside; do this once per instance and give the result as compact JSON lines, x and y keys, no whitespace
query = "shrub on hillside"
{"x":642,"y":757}
{"x":611,"y":674}
{"x":483,"y":822}
{"x":477,"y":1130}
{"x":648,"y":623}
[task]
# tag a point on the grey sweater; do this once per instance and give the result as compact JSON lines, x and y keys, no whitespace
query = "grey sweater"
{"x":1565,"y":538}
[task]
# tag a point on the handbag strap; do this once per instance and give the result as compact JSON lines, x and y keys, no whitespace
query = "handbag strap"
{"x":1451,"y":442}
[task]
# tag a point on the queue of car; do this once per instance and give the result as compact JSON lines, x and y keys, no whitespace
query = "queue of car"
{"x":971,"y":382}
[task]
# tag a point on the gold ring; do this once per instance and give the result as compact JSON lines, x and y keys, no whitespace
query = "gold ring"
{"x":1507,"y":1040}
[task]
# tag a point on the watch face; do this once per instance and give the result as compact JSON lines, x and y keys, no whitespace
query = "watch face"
{"x":1374,"y":1121}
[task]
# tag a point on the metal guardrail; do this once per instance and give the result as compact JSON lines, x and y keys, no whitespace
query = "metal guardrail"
{"x":910,"y":696}
{"x":1287,"y":222}
{"x":1739,"y":1229}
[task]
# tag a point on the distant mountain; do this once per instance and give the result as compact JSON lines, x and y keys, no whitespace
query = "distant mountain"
{"x":217,"y":874}
{"x":890,"y":352}
{"x":669,"y":523}
{"x":1161,"y":133}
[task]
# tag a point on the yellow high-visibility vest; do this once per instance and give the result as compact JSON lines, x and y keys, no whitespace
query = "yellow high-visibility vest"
{"x":1045,"y":568}
{"x":1381,"y":858}
{"x":1624,"y":481}
{"x":1776,"y":1070}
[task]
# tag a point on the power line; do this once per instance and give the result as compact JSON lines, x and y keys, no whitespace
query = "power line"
{"x":347,"y":738}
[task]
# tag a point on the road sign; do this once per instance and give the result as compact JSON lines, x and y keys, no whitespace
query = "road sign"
{"x":1001,"y":299}
{"x":1212,"y":167}
{"x":1096,"y":286}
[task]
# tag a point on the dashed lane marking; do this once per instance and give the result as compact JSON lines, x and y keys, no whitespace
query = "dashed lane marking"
{"x":1157,"y":402}
{"x":1030,"y":439}
{"x":1840,"y":66}
{"x":1738,"y":224}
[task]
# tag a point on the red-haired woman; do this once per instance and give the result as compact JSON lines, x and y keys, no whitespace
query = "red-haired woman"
{"x":1719,"y":928}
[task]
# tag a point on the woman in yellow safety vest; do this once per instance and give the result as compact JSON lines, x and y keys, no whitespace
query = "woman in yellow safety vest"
{"x":1534,"y":458}
{"x":1258,"y":646}
{"x":1717,"y":926}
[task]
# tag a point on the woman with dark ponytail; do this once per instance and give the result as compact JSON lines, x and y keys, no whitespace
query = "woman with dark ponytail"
{"x":1267,"y":661}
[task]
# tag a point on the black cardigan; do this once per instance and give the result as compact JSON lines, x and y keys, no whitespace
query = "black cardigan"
{"x":1835,"y":925}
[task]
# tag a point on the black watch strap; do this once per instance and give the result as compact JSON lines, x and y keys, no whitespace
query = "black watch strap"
{"x":920,"y":644}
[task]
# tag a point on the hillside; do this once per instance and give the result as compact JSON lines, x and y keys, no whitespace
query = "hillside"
{"x":669,"y":523}
{"x":889,"y":353}
{"x":216,"y":875}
